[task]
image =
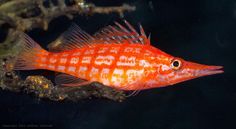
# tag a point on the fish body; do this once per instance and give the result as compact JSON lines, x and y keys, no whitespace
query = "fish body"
{"x":123,"y":66}
{"x":118,"y":57}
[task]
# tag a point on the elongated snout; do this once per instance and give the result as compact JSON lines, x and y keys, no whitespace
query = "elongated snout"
{"x":199,"y":70}
{"x":209,"y":70}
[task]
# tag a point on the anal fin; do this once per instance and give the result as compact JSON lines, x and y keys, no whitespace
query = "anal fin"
{"x":68,"y":80}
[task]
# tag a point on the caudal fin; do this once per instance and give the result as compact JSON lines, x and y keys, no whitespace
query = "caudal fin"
{"x":29,"y":54}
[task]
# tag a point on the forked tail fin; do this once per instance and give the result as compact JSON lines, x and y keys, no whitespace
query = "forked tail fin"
{"x":29,"y":56}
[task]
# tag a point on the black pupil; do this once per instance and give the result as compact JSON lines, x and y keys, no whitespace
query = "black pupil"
{"x":176,"y":63}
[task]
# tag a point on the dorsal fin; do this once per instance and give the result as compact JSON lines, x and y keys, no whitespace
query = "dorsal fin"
{"x":73,"y":38}
{"x":120,"y":34}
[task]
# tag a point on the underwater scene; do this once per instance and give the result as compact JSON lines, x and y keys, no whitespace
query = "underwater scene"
{"x":117,"y":64}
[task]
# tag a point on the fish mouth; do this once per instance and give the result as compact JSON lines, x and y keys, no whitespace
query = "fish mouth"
{"x":209,"y":70}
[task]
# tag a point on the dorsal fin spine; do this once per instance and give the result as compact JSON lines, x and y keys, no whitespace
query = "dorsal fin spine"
{"x":120,"y":34}
{"x":121,"y":27}
{"x":131,"y":27}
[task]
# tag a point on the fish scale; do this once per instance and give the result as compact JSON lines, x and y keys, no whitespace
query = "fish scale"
{"x":58,"y":60}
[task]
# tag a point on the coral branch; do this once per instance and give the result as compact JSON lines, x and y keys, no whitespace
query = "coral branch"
{"x":29,"y":14}
{"x":119,"y":9}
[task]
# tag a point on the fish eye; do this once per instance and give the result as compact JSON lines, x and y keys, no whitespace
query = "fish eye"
{"x":176,"y":64}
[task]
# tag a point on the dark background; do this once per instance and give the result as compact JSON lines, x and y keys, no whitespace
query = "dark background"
{"x":198,"y":30}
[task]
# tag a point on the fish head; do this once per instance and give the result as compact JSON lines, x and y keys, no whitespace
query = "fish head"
{"x":172,"y":70}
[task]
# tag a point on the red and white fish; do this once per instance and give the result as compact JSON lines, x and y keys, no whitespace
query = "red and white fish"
{"x":117,"y":56}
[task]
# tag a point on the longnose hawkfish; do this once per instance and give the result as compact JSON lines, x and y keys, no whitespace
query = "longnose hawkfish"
{"x":117,"y":56}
